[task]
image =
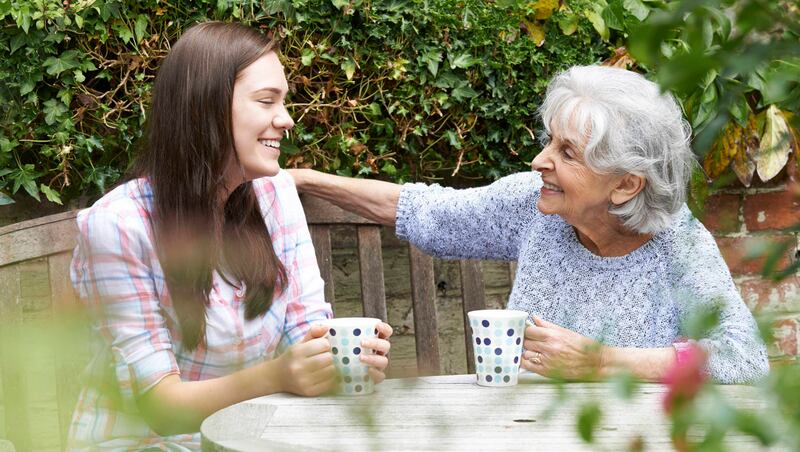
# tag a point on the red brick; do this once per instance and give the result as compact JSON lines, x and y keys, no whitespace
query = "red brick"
{"x":777,"y":210}
{"x":721,"y":213}
{"x":785,"y":341}
{"x":742,"y":253}
{"x":764,"y":295}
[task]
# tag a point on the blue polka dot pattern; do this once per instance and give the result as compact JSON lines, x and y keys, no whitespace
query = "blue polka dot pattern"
{"x":352,"y":375}
{"x":497,"y":346}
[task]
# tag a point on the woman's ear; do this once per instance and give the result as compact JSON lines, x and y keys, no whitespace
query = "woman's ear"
{"x":627,"y":188}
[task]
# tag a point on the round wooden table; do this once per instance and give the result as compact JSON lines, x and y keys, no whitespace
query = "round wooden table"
{"x":453,"y":413}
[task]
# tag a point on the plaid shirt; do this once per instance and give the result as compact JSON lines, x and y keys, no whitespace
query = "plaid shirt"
{"x":117,"y":273}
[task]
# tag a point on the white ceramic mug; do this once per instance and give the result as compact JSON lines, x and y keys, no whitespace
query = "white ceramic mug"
{"x":345,"y":335}
{"x":497,"y":337}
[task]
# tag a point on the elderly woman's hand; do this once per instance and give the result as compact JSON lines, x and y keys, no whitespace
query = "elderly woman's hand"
{"x":553,"y":351}
{"x":378,"y":361}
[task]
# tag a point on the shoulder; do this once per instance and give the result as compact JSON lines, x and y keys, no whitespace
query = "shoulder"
{"x":689,"y":244}
{"x":279,"y":202}
{"x":126,"y":206}
{"x":119,"y":222}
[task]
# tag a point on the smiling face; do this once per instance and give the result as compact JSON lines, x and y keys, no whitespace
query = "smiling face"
{"x":571,"y":189}
{"x":259,"y":119}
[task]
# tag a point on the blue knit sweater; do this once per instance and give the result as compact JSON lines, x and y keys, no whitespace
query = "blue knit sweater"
{"x":636,"y":300}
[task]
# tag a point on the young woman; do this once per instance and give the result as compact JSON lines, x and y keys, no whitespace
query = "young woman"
{"x":199,"y":271}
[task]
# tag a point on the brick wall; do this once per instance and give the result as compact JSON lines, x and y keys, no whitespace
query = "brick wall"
{"x":745,"y":222}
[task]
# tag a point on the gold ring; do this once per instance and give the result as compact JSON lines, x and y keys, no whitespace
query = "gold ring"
{"x":537,"y":358}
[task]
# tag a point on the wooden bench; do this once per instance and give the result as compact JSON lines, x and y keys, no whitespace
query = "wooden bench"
{"x":48,"y":243}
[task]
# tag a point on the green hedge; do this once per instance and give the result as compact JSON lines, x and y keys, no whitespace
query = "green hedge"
{"x":403,"y":90}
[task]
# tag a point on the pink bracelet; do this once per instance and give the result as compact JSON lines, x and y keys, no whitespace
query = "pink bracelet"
{"x":683,"y":350}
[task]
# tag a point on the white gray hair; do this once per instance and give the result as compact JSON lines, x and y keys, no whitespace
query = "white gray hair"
{"x":632,"y":128}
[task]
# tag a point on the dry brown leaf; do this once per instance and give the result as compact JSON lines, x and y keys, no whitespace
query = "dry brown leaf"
{"x":725,"y":149}
{"x":743,"y":164}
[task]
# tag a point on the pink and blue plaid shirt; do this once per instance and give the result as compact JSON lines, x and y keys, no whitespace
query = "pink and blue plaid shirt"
{"x":117,"y":273}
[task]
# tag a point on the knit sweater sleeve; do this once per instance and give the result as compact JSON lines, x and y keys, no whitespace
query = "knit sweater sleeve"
{"x":477,"y":223}
{"x":736,"y":354}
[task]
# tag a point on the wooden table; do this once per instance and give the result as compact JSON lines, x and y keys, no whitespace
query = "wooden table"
{"x":452,"y":413}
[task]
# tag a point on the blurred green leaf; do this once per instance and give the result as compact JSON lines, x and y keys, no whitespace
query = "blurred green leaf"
{"x":588,"y":420}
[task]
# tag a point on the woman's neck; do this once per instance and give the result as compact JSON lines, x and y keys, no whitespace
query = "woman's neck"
{"x":609,"y":238}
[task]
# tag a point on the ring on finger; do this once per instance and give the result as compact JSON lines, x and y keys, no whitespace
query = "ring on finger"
{"x":536,"y":358}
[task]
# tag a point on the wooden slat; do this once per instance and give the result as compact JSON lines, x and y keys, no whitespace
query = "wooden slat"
{"x":321,"y":237}
{"x":69,"y":363}
{"x":319,"y":211}
{"x":370,"y":263}
{"x":473,"y":295}
{"x":423,"y":297}
{"x":11,"y":360}
{"x":512,"y":273}
{"x":47,"y":236}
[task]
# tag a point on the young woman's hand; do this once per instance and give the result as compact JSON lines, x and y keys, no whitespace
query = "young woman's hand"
{"x":306,"y":368}
{"x":379,"y":360}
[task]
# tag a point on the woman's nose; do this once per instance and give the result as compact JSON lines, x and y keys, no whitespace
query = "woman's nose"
{"x":542,"y":161}
{"x":283,"y":120}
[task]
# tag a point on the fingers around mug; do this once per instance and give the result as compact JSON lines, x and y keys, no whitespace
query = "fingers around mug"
{"x":319,"y":361}
{"x":379,"y":346}
{"x":376,"y":375}
{"x":377,"y":361}
{"x":384,"y":330}
{"x":317,"y":330}
{"x":315,"y":347}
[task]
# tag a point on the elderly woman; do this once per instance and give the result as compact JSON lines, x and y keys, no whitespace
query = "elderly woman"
{"x":611,"y":261}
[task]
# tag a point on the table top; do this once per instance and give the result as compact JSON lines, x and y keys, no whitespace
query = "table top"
{"x":453,"y":413}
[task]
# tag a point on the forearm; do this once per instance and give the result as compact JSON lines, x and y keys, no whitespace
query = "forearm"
{"x":174,"y":406}
{"x":371,"y":199}
{"x":649,"y":364}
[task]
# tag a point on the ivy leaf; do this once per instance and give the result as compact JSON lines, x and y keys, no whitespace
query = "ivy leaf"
{"x":52,"y":110}
{"x":306,"y":57}
{"x":51,"y":194}
{"x":289,"y":148}
{"x":588,"y":420}
{"x":66,"y":61}
{"x":463,"y":91}
{"x":5,"y":199}
{"x":453,"y":139}
{"x":463,"y":61}
{"x":123,"y":31}
{"x":18,"y":41}
{"x":339,"y":4}
{"x":773,"y":153}
{"x":140,"y":27}
{"x":26,"y":178}
{"x":389,"y":169}
{"x":349,"y":68}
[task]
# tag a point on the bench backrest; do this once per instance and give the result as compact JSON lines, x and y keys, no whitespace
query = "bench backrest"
{"x":47,"y":243}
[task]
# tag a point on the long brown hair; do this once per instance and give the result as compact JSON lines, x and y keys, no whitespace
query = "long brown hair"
{"x":189,"y":146}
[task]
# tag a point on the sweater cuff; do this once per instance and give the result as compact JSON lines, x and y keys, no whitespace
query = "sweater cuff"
{"x":405,"y":209}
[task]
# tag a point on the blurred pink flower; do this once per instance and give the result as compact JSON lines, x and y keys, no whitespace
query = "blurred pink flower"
{"x":685,"y":378}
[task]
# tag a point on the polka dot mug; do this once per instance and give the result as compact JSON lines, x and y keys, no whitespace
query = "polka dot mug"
{"x":345,"y":335}
{"x":497,"y":337}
